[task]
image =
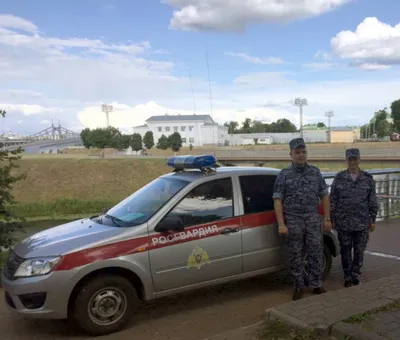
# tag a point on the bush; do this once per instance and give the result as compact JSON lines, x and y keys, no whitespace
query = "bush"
{"x":9,"y":223}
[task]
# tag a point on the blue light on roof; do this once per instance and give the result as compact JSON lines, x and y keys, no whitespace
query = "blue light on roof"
{"x":192,"y":162}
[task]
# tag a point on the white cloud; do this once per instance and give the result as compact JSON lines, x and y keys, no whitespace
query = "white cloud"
{"x":262,"y":79}
{"x":29,"y":110}
{"x":321,"y":66}
{"x":373,"y":66}
{"x":256,"y":60}
{"x":74,"y":75}
{"x":322,"y":55}
{"x":80,"y":68}
{"x":236,"y":15}
{"x":11,"y":21}
{"x":374,"y":45}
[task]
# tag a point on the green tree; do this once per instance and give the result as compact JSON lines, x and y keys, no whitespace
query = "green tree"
{"x":285,"y":125}
{"x":8,"y":223}
{"x":162,"y":143}
{"x":232,"y":127}
{"x":257,"y":126}
{"x":395,"y":113}
{"x":382,"y":127}
{"x":123,"y":142}
{"x":321,"y":125}
{"x":136,"y":142}
{"x":175,"y":141}
{"x":86,"y":135}
{"x":101,"y":138}
{"x":246,"y":126}
{"x":148,"y":140}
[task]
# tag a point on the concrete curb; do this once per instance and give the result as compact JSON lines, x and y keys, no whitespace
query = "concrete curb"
{"x":273,"y":314}
{"x":345,"y":331}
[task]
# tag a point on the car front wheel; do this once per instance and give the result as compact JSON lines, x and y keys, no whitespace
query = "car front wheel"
{"x":104,"y":304}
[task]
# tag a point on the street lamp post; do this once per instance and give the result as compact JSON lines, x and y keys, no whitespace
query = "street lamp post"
{"x":329,"y":114}
{"x":107,"y":109}
{"x":300,"y":102}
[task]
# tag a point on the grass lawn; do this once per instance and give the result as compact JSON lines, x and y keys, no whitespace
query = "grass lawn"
{"x":62,"y":186}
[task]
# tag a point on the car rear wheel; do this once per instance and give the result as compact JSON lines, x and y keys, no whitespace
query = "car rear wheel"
{"x":104,"y":304}
{"x":327,"y":263}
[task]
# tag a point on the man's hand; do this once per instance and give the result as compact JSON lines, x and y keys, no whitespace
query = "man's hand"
{"x":371,"y":227}
{"x":283,"y":229}
{"x":327,"y":225}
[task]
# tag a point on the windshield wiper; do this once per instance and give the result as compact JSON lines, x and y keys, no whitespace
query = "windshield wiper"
{"x":115,"y":220}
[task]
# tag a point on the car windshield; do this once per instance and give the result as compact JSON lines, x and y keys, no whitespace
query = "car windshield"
{"x":144,"y":203}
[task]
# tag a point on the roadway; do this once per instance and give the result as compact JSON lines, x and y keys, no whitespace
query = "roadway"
{"x":203,"y":313}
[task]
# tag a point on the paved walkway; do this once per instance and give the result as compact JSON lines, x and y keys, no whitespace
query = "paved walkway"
{"x":326,"y":313}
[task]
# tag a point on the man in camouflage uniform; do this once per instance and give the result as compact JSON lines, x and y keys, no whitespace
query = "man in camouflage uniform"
{"x":354,"y":208}
{"x":297,"y":193}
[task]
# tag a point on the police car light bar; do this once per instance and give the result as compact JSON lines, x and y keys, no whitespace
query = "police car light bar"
{"x":192,"y":162}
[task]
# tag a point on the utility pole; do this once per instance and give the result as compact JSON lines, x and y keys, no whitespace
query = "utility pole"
{"x":107,"y":109}
{"x":300,"y":102}
{"x":329,"y":114}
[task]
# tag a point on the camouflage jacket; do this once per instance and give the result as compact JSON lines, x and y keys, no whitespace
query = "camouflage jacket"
{"x":354,"y":203}
{"x":300,"y":189}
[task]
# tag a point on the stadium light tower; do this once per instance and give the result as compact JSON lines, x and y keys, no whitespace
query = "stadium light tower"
{"x":107,"y":109}
{"x":329,"y":114}
{"x":300,"y":102}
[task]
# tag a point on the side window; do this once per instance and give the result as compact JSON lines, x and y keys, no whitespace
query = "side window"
{"x":257,"y":193}
{"x":209,"y":202}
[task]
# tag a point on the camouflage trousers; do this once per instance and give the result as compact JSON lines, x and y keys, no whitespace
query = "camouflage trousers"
{"x":355,"y":241}
{"x":305,"y":237}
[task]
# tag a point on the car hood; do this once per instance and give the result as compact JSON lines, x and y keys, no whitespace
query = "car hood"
{"x":65,"y":238}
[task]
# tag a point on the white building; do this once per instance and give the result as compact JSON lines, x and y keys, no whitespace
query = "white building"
{"x":310,"y":136}
{"x":198,"y":130}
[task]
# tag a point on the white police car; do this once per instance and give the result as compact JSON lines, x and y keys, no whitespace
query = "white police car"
{"x":197,"y":226}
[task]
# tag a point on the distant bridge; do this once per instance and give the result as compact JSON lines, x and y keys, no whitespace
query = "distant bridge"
{"x":53,"y":137}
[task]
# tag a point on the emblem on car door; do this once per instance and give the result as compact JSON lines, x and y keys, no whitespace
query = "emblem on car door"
{"x":198,"y":258}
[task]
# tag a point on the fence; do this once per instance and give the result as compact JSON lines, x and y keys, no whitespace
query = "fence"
{"x":387,"y":189}
{"x":328,"y":152}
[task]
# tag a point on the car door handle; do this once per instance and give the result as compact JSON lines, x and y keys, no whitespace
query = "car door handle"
{"x":228,"y":231}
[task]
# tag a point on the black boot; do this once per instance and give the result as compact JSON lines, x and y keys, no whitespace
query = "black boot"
{"x":298,"y":294}
{"x":348,"y":283}
{"x":319,"y":290}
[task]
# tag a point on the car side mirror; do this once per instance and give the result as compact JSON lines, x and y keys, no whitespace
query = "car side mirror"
{"x":170,"y":223}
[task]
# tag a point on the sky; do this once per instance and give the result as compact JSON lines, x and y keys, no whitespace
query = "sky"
{"x":233,"y":59}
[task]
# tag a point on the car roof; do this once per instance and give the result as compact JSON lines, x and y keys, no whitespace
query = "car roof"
{"x":192,"y":175}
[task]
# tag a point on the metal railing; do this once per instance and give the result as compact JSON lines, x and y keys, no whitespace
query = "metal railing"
{"x":387,"y":189}
{"x":313,"y":152}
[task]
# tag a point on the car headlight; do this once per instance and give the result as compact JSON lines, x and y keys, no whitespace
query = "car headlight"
{"x":36,"y":267}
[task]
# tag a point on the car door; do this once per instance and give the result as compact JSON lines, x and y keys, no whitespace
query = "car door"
{"x":263,"y":246}
{"x":210,"y":246}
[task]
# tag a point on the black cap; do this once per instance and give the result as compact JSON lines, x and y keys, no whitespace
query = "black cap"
{"x":297,"y":143}
{"x":353,"y":153}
